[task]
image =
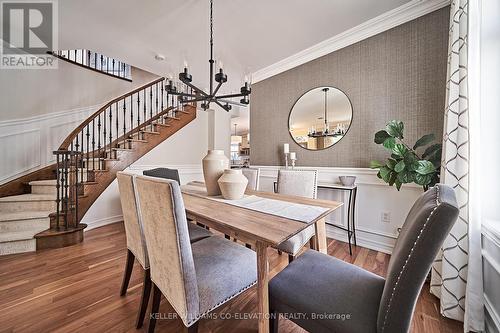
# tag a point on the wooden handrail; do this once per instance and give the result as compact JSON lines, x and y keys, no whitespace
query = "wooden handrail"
{"x":69,"y":139}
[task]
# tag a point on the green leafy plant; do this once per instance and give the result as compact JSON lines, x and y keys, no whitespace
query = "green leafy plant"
{"x":419,"y":164}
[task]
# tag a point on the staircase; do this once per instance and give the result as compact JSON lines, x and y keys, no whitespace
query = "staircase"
{"x":44,"y":208}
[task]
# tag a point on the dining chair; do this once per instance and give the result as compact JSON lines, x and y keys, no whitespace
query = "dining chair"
{"x":253,"y":175}
{"x":194,"y":278}
{"x":336,"y":296}
{"x":136,"y":245}
{"x":303,"y":183}
{"x":168,"y":174}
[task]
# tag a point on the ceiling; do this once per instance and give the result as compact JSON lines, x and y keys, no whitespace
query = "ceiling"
{"x":249,"y":35}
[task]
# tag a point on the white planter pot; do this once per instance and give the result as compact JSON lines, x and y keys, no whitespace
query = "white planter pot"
{"x":213,"y":166}
{"x":233,"y":184}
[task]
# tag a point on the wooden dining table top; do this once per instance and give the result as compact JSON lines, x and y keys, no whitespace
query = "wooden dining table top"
{"x":251,"y":224}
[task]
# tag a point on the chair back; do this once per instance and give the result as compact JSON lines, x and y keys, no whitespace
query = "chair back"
{"x":132,"y":219}
{"x":170,"y":255}
{"x":424,"y":231}
{"x":163,"y":173}
{"x":302,"y":183}
{"x":253,"y":178}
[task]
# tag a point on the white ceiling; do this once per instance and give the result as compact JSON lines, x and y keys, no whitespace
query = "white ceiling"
{"x":249,"y":35}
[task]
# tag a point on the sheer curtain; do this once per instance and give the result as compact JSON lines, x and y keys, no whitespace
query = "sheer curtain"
{"x":457,"y":272}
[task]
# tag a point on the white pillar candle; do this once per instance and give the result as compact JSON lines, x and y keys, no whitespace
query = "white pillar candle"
{"x":293,"y":156}
{"x":286,"y":148}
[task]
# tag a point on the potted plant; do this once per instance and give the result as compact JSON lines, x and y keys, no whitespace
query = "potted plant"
{"x":419,"y":164}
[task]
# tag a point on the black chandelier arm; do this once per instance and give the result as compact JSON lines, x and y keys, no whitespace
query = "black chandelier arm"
{"x":182,"y":94}
{"x":221,"y":105}
{"x":216,"y":89}
{"x":231,"y":96}
{"x":198,"y":99}
{"x":195,"y":88}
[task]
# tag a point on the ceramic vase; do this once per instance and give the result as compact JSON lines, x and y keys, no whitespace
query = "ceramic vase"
{"x":213,"y":166}
{"x":233,"y":184}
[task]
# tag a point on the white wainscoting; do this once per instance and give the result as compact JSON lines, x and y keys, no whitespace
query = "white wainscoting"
{"x":27,"y":144}
{"x":491,"y":275}
{"x":374,"y":198}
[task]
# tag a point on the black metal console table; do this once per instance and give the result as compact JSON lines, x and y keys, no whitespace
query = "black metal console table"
{"x":351,"y":209}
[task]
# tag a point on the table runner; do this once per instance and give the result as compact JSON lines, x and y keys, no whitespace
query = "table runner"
{"x":289,"y":210}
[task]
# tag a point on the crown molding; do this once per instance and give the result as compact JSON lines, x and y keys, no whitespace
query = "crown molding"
{"x":381,"y":23}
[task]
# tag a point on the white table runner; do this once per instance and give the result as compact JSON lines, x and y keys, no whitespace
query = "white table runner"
{"x":289,"y":210}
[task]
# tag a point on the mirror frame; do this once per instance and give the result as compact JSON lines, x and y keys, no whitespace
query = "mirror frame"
{"x":290,"y":115}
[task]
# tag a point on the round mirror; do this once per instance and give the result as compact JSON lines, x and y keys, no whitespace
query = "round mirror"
{"x":320,"y":118}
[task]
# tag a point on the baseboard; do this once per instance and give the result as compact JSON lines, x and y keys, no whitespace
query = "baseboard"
{"x":102,"y":222}
{"x":363,"y":239}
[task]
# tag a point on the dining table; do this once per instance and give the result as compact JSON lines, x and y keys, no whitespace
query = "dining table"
{"x":256,"y":227}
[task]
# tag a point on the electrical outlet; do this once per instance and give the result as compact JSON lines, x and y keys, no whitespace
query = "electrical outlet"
{"x":385,"y":217}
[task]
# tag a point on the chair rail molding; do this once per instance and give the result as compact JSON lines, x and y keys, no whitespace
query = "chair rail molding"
{"x":402,"y":14}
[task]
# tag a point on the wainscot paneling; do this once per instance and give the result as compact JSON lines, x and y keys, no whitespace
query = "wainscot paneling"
{"x":27,"y":144}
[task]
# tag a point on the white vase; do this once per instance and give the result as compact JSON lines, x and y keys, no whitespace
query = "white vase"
{"x":213,"y":166}
{"x":233,"y":184}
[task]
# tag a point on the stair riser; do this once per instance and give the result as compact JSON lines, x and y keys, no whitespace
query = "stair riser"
{"x":17,"y":247}
{"x":44,"y":189}
{"x":21,"y":206}
{"x":94,"y":164}
{"x":37,"y":225}
{"x":86,"y":176}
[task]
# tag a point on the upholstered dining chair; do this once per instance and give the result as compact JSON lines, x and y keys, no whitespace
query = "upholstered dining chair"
{"x":194,"y":278}
{"x":168,"y":173}
{"x":136,"y":245}
{"x":253,"y":175}
{"x":334,"y":289}
{"x":303,"y":183}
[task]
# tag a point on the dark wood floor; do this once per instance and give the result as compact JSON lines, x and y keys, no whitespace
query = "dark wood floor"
{"x":76,"y":289}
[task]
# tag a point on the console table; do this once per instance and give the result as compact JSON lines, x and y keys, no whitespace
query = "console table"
{"x":351,"y":209}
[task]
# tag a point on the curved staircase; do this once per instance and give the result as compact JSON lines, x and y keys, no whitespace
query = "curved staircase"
{"x":44,"y":208}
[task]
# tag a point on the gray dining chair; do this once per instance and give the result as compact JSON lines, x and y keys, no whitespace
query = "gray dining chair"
{"x":173,"y":174}
{"x":302,"y":183}
{"x":333,"y":289}
{"x":136,"y":245}
{"x":195,"y":278}
{"x":253,"y":175}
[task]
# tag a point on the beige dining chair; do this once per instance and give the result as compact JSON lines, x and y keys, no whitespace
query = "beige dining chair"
{"x":194,"y":278}
{"x":302,"y":183}
{"x":253,"y":175}
{"x":136,"y":245}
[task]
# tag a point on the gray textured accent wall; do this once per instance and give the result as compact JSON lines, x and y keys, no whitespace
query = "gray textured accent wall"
{"x":397,"y":74}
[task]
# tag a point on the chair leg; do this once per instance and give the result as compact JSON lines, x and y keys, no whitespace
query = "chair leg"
{"x":311,"y":244}
{"x":193,"y":328}
{"x":274,"y":321}
{"x":146,"y":291}
{"x":290,"y":258}
{"x":248,"y":246}
{"x":128,"y":272}
{"x":227,"y":237}
{"x":155,"y":307}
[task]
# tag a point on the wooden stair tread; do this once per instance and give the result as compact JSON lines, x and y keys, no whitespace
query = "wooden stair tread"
{"x":150,"y":132}
{"x":51,"y":233}
{"x":122,"y":149}
{"x":26,"y":215}
{"x":163,"y":125}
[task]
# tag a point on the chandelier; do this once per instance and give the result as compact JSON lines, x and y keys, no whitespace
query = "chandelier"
{"x":199,"y":95}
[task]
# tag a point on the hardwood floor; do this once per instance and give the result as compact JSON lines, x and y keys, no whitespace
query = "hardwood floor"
{"x":76,"y":289}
